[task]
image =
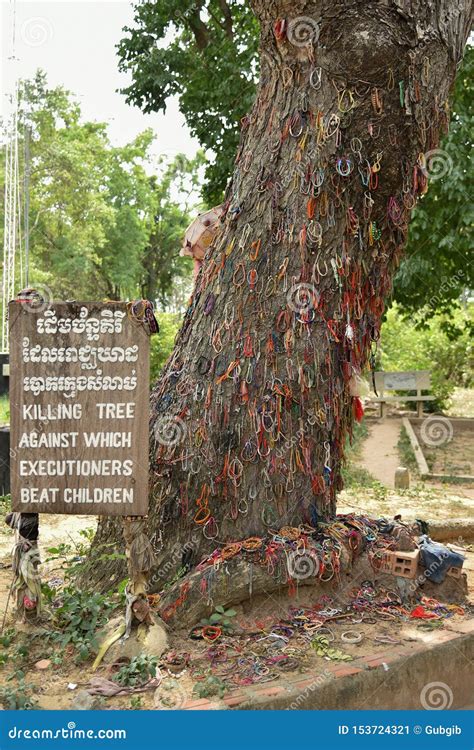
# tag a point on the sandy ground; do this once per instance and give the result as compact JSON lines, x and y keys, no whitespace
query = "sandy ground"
{"x":430,"y":503}
{"x":379,"y":453}
{"x":54,"y":529}
{"x":455,"y":457}
{"x":56,"y":687}
{"x":431,"y":500}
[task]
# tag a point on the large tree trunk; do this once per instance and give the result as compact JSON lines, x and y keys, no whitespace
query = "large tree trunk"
{"x":250,"y":416}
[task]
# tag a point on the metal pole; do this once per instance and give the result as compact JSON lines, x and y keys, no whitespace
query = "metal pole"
{"x":27,"y":206}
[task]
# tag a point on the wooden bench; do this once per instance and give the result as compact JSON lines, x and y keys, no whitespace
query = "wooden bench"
{"x":416,"y":380}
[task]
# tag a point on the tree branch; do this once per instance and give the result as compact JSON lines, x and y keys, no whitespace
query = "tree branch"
{"x":227,"y":18}
{"x":198,"y":27}
{"x":214,"y":18}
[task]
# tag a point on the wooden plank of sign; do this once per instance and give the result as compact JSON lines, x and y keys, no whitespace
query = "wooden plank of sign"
{"x":402,"y":381}
{"x":79,"y":419}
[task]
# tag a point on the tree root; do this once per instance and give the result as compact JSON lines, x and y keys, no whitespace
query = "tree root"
{"x":239,"y":582}
{"x":118,"y":633}
{"x":195,"y":596}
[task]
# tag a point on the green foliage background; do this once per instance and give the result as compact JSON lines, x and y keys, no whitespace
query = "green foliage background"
{"x":438,"y":266}
{"x":212,"y":65}
{"x":106,"y":222}
{"x":442,"y":345}
{"x":161,"y":345}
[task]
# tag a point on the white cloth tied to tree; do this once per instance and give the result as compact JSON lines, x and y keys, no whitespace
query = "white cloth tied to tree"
{"x":26,"y":561}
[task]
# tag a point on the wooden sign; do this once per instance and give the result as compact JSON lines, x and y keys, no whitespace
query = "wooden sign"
{"x":402,"y":381}
{"x":79,"y":405}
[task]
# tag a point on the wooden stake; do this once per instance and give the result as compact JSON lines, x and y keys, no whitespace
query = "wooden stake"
{"x":140,"y":561}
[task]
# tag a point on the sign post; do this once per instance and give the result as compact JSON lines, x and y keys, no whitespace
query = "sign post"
{"x":79,"y":405}
{"x":79,"y":400}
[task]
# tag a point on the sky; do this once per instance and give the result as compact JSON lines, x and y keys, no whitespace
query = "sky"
{"x":74,"y":42}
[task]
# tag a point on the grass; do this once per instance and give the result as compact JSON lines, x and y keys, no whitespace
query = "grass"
{"x":5,"y":504}
{"x":353,"y":474}
{"x":359,"y":434}
{"x":356,"y":476}
{"x":4,"y":410}
{"x":405,"y":451}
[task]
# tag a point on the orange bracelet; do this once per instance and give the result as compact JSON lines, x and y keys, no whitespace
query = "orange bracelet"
{"x":202,"y":515}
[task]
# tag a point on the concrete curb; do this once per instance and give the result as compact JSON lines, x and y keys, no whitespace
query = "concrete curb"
{"x":392,"y":679}
{"x":423,"y":468}
{"x":452,"y":531}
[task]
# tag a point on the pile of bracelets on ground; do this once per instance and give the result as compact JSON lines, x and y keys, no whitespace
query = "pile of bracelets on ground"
{"x":247,"y":657}
{"x":321,"y":546}
{"x":327,"y":628}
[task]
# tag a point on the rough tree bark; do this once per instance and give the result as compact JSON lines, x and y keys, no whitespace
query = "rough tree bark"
{"x":249,"y":418}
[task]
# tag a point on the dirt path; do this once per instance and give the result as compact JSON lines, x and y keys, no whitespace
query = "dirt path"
{"x":379,"y":453}
{"x":54,"y":530}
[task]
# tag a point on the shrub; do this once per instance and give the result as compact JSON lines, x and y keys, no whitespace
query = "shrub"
{"x":77,"y":619}
{"x":162,"y":343}
{"x":139,"y":671}
{"x":442,"y":345}
{"x":19,"y":698}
